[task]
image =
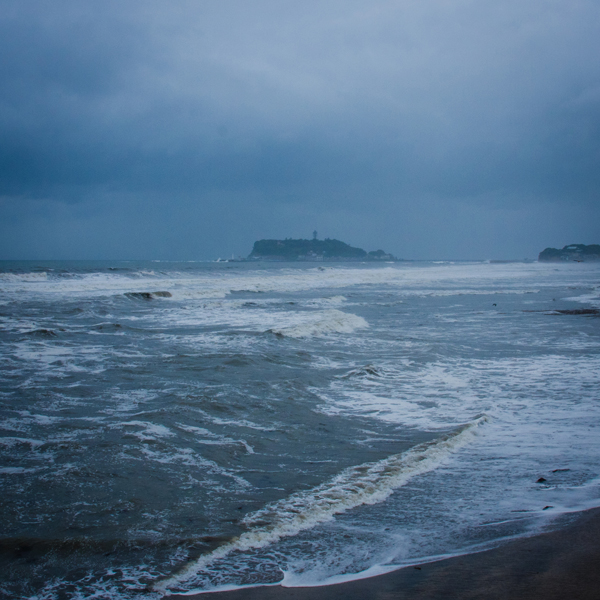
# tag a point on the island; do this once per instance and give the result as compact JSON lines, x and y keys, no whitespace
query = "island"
{"x":572,"y":252}
{"x":314,"y":250}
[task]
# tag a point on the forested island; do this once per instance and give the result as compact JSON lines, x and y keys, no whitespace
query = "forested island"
{"x":313,"y":250}
{"x":576,"y":252}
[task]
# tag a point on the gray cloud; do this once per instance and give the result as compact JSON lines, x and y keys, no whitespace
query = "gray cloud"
{"x":268,"y":118}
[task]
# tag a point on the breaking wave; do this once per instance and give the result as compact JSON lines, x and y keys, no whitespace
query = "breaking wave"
{"x":25,"y":277}
{"x":322,"y":323}
{"x":369,"y":483}
{"x":366,"y":371}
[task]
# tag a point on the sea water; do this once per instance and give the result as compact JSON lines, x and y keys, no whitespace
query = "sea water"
{"x":179,"y":427}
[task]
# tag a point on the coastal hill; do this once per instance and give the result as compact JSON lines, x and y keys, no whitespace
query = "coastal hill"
{"x":313,"y":250}
{"x":576,"y":252}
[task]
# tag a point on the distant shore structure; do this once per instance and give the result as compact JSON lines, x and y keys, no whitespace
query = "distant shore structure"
{"x":314,"y":250}
{"x":572,"y":252}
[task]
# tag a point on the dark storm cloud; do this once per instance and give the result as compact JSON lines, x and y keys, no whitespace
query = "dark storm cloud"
{"x":310,"y":109}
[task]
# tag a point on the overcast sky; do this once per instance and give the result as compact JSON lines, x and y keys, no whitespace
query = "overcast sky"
{"x":189,"y":129}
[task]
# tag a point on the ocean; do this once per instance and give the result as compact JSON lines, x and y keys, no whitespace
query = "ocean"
{"x":187,"y":427}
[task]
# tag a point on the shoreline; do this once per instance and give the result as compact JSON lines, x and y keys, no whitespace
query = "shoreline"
{"x":556,"y":565}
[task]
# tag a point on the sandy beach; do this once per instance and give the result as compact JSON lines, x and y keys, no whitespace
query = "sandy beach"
{"x":560,"y":565}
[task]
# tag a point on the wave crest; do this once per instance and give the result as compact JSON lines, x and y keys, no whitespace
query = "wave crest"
{"x":323,"y":323}
{"x":369,"y":483}
{"x":19,"y":277}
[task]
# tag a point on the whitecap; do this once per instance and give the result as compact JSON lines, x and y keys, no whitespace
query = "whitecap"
{"x":150,"y":430}
{"x":322,"y":323}
{"x":369,"y":483}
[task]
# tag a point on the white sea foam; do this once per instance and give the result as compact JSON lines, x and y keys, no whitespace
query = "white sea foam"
{"x":14,"y":441}
{"x":24,"y":277}
{"x":47,"y":356}
{"x":128,"y":402}
{"x":150,"y":431}
{"x":369,"y":483}
{"x":286,"y":322}
{"x":26,"y":416}
{"x":329,"y":301}
{"x":427,"y":280}
{"x":188,"y":457}
{"x":441,"y":395}
{"x":593,"y":298}
{"x":239,"y":422}
{"x":15,"y":470}
{"x":322,"y":323}
{"x":209,"y":438}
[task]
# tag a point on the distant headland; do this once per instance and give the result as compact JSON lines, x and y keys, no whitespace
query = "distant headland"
{"x":576,"y":252}
{"x":314,"y":250}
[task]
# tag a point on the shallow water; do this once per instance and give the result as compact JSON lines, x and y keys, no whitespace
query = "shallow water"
{"x":185,"y":426}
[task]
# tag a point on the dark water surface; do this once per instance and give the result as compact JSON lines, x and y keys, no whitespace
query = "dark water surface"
{"x":186,"y":426}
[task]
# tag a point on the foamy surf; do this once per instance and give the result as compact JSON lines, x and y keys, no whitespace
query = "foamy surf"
{"x":323,"y":323}
{"x":160,"y":422}
{"x":369,"y":483}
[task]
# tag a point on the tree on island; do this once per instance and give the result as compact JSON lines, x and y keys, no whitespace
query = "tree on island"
{"x":315,"y":249}
{"x":576,"y":252}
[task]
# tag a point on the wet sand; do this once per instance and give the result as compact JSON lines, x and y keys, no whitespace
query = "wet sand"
{"x":561,"y":565}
